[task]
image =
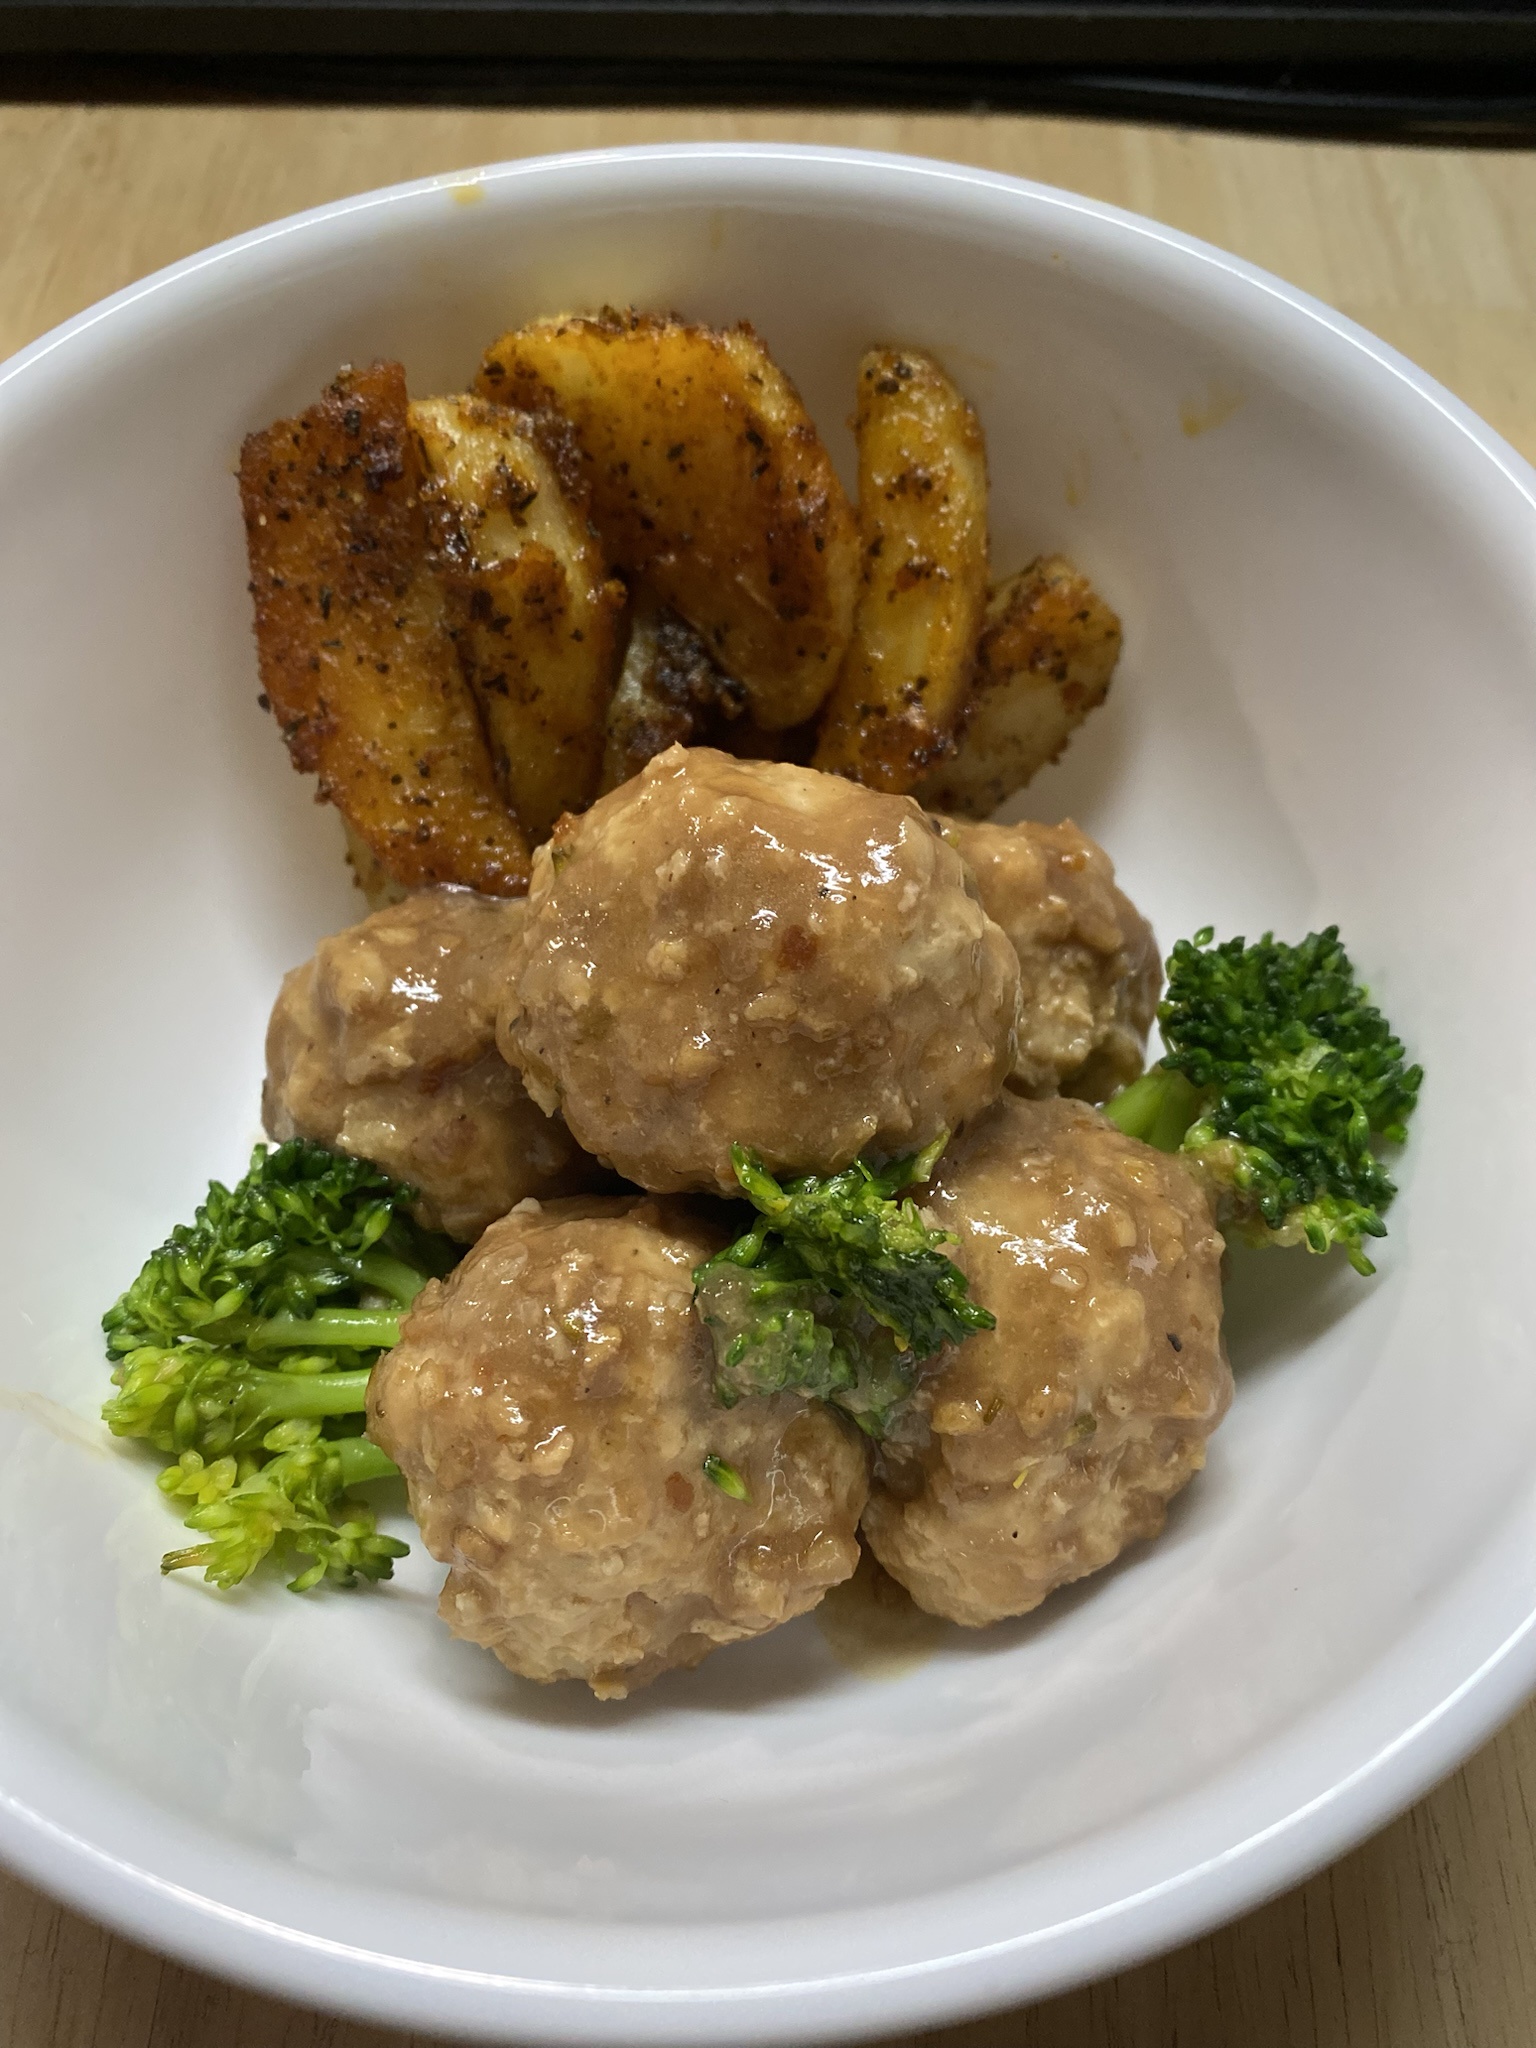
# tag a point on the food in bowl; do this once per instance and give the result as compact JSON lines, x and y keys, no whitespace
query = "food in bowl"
{"x":439,"y":587}
{"x":383,"y":1046}
{"x":728,"y":953}
{"x":1037,"y":1459}
{"x":603,"y":1517}
{"x":607,"y":632}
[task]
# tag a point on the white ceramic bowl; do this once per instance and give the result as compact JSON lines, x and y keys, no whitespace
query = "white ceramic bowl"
{"x":1327,"y":570}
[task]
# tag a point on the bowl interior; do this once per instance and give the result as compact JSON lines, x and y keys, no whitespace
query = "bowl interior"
{"x":1322,"y":715}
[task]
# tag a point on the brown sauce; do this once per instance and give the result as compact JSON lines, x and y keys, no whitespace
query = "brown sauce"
{"x":874,"y":1627}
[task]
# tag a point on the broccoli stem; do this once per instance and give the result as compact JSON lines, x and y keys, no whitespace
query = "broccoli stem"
{"x":361,"y":1461}
{"x":283,"y":1396}
{"x":352,"y":1329}
{"x":1158,"y":1109}
{"x":391,"y":1276}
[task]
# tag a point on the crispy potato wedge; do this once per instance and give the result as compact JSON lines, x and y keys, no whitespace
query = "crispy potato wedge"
{"x":538,"y":633}
{"x":378,"y":889}
{"x":669,"y":693}
{"x":353,"y":637}
{"x":708,"y":482}
{"x":923,"y":577}
{"x":1047,"y":654}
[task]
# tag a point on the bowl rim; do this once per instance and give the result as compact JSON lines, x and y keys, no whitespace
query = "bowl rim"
{"x":264,"y":1953}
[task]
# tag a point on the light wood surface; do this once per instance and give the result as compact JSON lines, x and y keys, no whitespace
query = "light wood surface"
{"x":1424,"y":1938}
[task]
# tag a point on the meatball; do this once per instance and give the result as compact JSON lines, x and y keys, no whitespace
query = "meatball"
{"x":1090,"y":966}
{"x":384,"y":1045}
{"x":552,"y":1408}
{"x":1043,"y":1447}
{"x":727,"y":951}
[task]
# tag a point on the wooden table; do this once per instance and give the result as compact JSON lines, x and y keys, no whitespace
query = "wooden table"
{"x":1426,"y":1937}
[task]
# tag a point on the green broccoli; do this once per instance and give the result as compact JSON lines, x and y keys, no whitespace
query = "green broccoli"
{"x":838,"y":1292}
{"x":247,"y":1340}
{"x":1278,"y":1081}
{"x":211,"y":1399}
{"x":293,"y":1498}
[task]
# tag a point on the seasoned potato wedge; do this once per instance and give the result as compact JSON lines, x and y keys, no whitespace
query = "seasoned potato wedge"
{"x":378,"y":889}
{"x":670,"y":693}
{"x":708,"y":482}
{"x":923,"y":578}
{"x":1047,"y":653}
{"x":539,"y":631}
{"x":354,"y":641}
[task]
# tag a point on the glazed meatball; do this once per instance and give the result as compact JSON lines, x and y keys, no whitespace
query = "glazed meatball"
{"x":384,"y":1046}
{"x":1045,"y":1446}
{"x":744,"y":951}
{"x":1089,"y":963}
{"x":551,"y":1406}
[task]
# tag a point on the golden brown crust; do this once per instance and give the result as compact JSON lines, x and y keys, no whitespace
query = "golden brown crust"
{"x":353,"y":637}
{"x":709,"y":482}
{"x":538,"y":626}
{"x":1046,"y":657}
{"x":923,"y":580}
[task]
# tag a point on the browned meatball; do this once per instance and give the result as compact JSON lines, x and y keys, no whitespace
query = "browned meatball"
{"x":744,"y":951}
{"x":1056,"y":1439}
{"x":1090,"y":966}
{"x":551,"y":1406}
{"x":384,"y":1045}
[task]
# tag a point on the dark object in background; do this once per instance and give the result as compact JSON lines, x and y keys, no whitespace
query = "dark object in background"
{"x":1429,"y":69}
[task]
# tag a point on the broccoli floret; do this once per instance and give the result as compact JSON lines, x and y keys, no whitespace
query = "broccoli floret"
{"x":306,"y":1226}
{"x":1279,"y":1079}
{"x":249,"y":1336}
{"x":294,"y":1500}
{"x":838,"y":1292}
{"x":212,"y":1400}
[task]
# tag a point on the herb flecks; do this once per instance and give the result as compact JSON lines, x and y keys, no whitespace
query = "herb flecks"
{"x":726,"y":1477}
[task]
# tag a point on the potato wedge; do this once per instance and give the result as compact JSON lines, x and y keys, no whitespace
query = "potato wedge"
{"x":1047,"y":654}
{"x":353,"y":637}
{"x":539,"y":634}
{"x":669,"y":693}
{"x":379,"y":890}
{"x":709,"y":482}
{"x":923,"y":579}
